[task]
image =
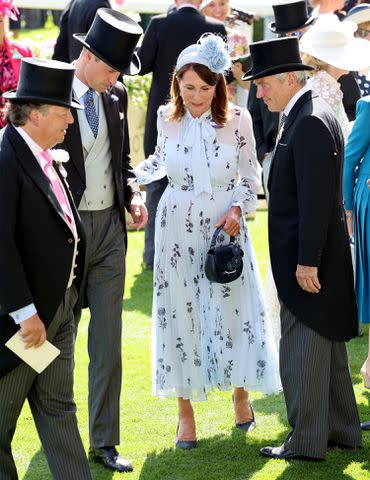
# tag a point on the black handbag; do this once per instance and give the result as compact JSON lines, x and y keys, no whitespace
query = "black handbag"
{"x":224,"y":264}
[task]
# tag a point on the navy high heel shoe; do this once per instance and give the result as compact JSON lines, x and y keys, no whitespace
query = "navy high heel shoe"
{"x":184,"y":444}
{"x":246,"y":426}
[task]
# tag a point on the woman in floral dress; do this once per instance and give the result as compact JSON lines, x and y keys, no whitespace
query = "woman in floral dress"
{"x":206,"y":335}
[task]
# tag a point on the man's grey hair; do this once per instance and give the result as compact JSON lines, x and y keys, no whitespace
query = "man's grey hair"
{"x":18,"y":113}
{"x":301,"y":77}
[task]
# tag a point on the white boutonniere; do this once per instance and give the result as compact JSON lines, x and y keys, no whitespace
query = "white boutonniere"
{"x":60,"y":157}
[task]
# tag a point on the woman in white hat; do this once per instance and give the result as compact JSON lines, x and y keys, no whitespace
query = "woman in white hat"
{"x":206,"y":335}
{"x":360,"y":14}
{"x":332,"y":49}
{"x":238,"y":47}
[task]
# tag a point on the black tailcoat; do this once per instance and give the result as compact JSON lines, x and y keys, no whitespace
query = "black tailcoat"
{"x":306,"y":220}
{"x":164,"y":39}
{"x":77,"y":17}
{"x":36,"y":243}
{"x":115,"y":108}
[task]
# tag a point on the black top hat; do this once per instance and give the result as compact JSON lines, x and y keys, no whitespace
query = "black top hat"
{"x":290,"y":17}
{"x":112,"y":38}
{"x":45,"y":81}
{"x":271,"y":57}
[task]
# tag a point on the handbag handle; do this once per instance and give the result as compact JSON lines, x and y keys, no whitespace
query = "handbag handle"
{"x":216,"y":234}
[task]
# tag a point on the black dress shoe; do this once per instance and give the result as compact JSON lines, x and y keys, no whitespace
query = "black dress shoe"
{"x":365,"y":426}
{"x":281,"y":452}
{"x":110,"y":458}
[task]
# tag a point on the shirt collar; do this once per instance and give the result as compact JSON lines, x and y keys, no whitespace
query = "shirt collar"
{"x":33,"y":146}
{"x":294,"y":99}
{"x":79,"y":88}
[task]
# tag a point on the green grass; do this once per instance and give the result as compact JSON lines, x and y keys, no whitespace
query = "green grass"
{"x":148,"y":424}
{"x":49,"y":32}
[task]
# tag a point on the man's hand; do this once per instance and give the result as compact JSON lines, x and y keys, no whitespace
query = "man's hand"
{"x":308,"y":279}
{"x":33,"y":331}
{"x":138,"y":212}
{"x":231,"y":219}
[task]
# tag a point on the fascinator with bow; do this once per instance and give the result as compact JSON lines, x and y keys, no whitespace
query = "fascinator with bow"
{"x":210,"y":51}
{"x":8,"y":8}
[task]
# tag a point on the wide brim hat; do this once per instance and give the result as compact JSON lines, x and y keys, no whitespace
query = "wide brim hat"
{"x":44,"y":81}
{"x":334,"y":43}
{"x":270,"y":57}
{"x":204,"y":3}
{"x":112,"y":38}
{"x":290,"y":17}
{"x":359,"y":14}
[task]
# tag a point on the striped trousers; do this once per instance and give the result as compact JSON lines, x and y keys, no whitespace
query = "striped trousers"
{"x":50,"y":396}
{"x":319,"y":397}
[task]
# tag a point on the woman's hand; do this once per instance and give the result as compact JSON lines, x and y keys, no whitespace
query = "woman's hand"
{"x":349,"y":218}
{"x":231,"y":219}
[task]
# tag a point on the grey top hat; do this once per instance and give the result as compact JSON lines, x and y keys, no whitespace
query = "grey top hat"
{"x":112,"y":38}
{"x":45,"y":81}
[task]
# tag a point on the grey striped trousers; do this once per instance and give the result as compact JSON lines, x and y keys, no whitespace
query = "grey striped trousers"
{"x":319,"y":397}
{"x":50,"y":396}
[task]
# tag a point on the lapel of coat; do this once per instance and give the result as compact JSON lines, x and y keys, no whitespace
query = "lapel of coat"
{"x":32,"y":167}
{"x":307,"y":96}
{"x":74,"y":145}
{"x":111,"y":109}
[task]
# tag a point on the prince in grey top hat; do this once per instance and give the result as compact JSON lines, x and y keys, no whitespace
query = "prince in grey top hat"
{"x":103,"y":186}
{"x":310,"y":257}
{"x":41,"y":269}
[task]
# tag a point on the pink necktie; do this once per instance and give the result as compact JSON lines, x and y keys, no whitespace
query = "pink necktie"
{"x":55,"y":183}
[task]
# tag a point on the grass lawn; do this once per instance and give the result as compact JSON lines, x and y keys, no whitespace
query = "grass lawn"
{"x":148,"y":424}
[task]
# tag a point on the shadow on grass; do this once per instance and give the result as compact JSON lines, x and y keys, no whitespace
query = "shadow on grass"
{"x":38,"y":469}
{"x":141,"y":293}
{"x":219,"y":457}
{"x":237,"y":457}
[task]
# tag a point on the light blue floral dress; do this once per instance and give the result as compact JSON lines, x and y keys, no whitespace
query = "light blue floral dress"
{"x":206,"y":335}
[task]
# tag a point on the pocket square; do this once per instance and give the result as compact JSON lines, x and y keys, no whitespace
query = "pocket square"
{"x":121,"y":115}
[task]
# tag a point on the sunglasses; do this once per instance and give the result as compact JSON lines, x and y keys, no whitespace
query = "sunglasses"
{"x":362,"y":33}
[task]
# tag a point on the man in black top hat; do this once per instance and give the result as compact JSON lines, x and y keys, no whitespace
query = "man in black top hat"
{"x":103,"y":185}
{"x":76,"y":17}
{"x":40,"y":229}
{"x":290,"y":19}
{"x":310,"y":257}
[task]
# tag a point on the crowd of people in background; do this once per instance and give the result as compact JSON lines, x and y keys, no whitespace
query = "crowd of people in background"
{"x":226,"y":117}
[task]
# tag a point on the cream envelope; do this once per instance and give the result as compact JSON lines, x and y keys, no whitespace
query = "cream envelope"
{"x":37,"y":358}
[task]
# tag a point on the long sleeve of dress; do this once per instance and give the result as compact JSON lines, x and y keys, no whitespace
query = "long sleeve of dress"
{"x":249,"y":183}
{"x":153,"y":168}
{"x":358,"y":143}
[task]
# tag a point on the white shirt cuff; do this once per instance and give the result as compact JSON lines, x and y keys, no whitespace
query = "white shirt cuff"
{"x":23,"y":313}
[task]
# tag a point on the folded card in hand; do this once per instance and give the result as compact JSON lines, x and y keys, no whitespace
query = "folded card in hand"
{"x":37,"y":358}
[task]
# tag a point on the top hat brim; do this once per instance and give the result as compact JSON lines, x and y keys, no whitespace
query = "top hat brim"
{"x":13,"y":97}
{"x":132,"y":69}
{"x":288,"y":67}
{"x":310,"y":21}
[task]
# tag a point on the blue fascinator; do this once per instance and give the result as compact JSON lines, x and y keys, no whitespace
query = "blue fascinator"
{"x":210,"y":51}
